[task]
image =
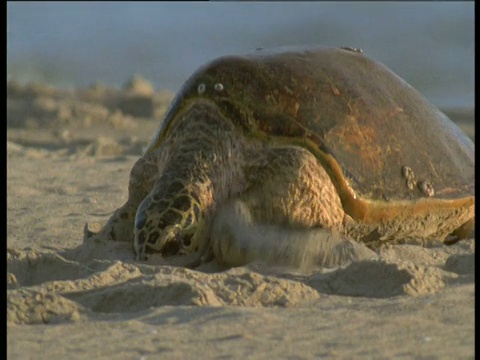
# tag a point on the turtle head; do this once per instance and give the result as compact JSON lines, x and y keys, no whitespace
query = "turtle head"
{"x":167,"y":222}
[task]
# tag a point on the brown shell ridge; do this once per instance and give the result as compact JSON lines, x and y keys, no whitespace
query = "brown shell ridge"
{"x":374,"y":211}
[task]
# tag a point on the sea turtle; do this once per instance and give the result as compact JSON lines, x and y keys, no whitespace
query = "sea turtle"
{"x":301,"y":139}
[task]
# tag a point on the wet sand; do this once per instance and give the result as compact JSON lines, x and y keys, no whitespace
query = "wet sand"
{"x":69,"y":154}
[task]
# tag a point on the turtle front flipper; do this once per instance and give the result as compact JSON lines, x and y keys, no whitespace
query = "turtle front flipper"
{"x":119,"y":226}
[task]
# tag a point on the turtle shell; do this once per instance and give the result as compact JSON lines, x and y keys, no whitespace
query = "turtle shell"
{"x":380,"y":140}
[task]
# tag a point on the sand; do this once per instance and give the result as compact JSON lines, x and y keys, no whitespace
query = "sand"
{"x":69,"y":153}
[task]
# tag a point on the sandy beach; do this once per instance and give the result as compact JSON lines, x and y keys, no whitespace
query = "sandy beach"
{"x":69,"y":154}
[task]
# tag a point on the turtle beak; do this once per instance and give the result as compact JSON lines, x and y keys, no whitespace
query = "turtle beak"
{"x":168,"y":244}
{"x":170,"y":240}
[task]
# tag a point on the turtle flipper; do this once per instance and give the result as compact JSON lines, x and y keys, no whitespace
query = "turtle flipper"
{"x":120,"y":225}
{"x":87,"y":234}
{"x":288,"y":216}
{"x":238,"y":240}
{"x":465,"y":231}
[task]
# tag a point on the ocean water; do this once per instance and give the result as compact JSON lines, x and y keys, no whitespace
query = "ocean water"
{"x":429,"y":44}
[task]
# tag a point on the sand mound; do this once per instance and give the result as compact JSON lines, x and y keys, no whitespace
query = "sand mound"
{"x":73,"y":285}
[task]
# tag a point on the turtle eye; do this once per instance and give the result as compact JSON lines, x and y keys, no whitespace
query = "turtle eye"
{"x":201,"y":88}
{"x":218,"y":87}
